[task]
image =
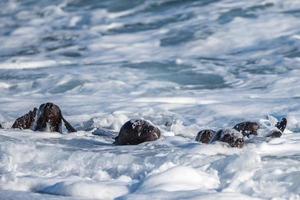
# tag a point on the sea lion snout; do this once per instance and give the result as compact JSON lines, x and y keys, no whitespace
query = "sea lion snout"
{"x":239,"y":143}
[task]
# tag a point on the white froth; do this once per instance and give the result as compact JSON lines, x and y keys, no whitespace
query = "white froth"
{"x":182,"y":179}
{"x":32,"y":64}
{"x":184,"y":66}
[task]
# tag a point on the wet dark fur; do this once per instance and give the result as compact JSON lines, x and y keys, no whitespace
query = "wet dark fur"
{"x":281,"y":127}
{"x":230,"y":138}
{"x":137,"y":131}
{"x":48,"y":115}
{"x":250,"y":128}
{"x":208,"y":136}
{"x":205,"y":136}
{"x":282,"y":124}
{"x":247,"y":128}
{"x":26,"y":121}
{"x":275,"y":134}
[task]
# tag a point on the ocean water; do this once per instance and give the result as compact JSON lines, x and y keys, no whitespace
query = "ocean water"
{"x":184,"y":65}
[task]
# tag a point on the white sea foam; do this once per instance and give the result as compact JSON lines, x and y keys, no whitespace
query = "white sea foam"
{"x":183,"y":178}
{"x":181,"y":65}
{"x":32,"y":64}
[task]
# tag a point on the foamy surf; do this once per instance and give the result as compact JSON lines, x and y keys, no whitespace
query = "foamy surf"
{"x":182,"y":65}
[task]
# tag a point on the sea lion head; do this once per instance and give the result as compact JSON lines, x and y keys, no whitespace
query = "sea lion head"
{"x":247,"y":128}
{"x":137,"y":131}
{"x":232,"y":137}
{"x":49,"y":118}
{"x":205,"y":136}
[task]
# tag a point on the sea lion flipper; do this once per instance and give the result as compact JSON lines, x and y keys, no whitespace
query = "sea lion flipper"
{"x":282,"y":124}
{"x":68,"y":126}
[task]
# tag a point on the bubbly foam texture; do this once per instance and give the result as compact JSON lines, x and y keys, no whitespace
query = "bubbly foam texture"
{"x":88,"y":166}
{"x":181,"y":65}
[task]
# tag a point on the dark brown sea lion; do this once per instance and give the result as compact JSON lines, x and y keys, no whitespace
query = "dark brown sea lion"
{"x":251,"y":128}
{"x":230,"y":136}
{"x":1,"y":126}
{"x":247,"y":128}
{"x":235,"y":137}
{"x":47,"y":118}
{"x":205,"y":136}
{"x":137,"y":131}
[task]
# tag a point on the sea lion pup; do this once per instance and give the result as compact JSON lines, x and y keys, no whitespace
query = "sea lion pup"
{"x":47,"y":118}
{"x":137,"y":131}
{"x":230,"y":136}
{"x":251,"y":128}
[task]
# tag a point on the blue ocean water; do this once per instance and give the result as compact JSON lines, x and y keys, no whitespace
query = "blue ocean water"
{"x":123,"y":50}
{"x":123,"y":56}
